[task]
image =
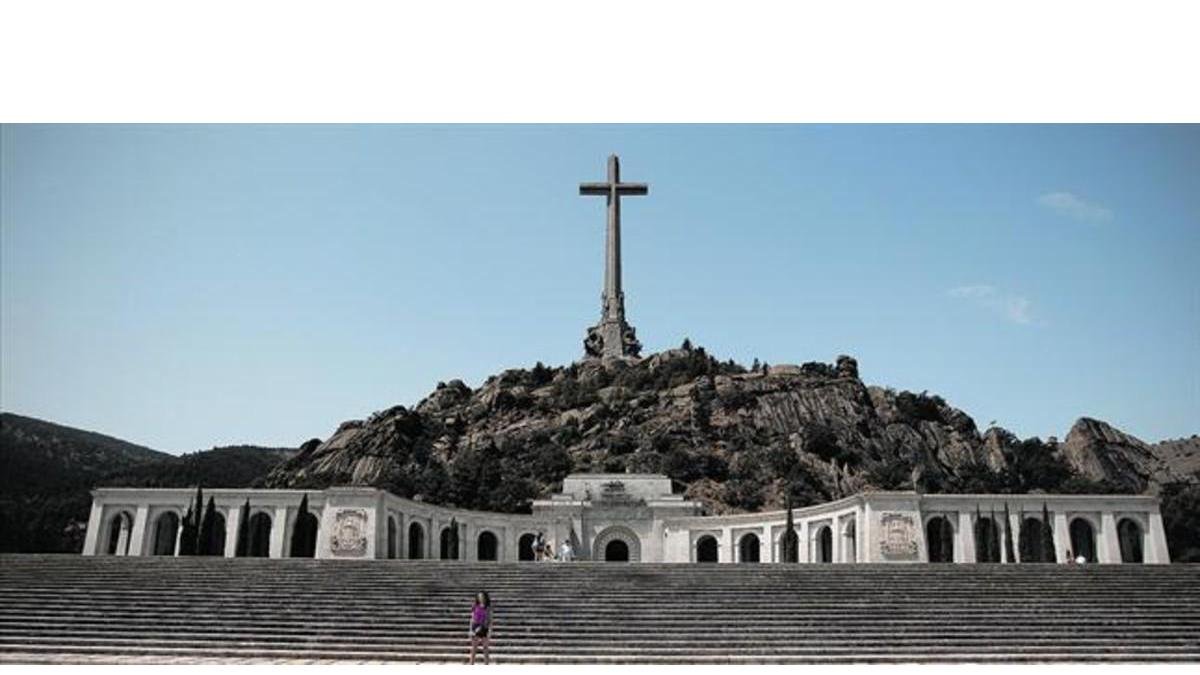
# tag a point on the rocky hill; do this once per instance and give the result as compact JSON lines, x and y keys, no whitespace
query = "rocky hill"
{"x":47,"y":470}
{"x":736,"y":439}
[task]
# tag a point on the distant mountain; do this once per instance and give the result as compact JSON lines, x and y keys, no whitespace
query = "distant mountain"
{"x":36,"y":455}
{"x":47,"y":471}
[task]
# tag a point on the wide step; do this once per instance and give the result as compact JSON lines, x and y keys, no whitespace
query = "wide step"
{"x":75,"y":609}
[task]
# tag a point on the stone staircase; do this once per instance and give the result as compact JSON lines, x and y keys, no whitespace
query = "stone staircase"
{"x":72,"y":609}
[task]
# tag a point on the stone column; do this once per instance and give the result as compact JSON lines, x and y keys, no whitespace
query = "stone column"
{"x":835,"y":530}
{"x":727,"y":552}
{"x":1062,"y":536}
{"x":1156,"y":540}
{"x":510,"y":552}
{"x":964,"y":545}
{"x":435,"y":538}
{"x":233,"y":516}
{"x":95,"y":525}
{"x":803,"y":546}
{"x":1109,"y":543}
{"x":279,"y":527}
{"x":178,"y":536}
{"x":467,"y":552}
{"x":432,"y":540}
{"x":137,"y":544}
{"x":401,"y":536}
{"x":1014,"y":526}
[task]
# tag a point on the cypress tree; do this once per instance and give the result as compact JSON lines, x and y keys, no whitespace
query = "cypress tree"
{"x":980,"y":546}
{"x":994,"y":539}
{"x":453,"y":539}
{"x":1008,"y":536}
{"x":197,"y":514}
{"x":243,"y":536}
{"x":1048,"y":552}
{"x":207,"y":526}
{"x":791,"y":545}
{"x":187,"y":538}
{"x":300,"y":530}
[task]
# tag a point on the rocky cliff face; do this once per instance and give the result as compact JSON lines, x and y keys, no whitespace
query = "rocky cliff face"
{"x":1098,"y":451}
{"x":736,"y":440}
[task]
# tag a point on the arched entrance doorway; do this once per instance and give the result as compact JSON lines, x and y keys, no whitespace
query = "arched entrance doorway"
{"x":629,"y":549}
{"x":987,"y":541}
{"x":616,"y":551}
{"x":1083,"y":540}
{"x":449,"y":543}
{"x":749,"y":548}
{"x":525,"y":546}
{"x":1129,"y":534}
{"x":260,"y":536}
{"x":824,"y":545}
{"x":166,"y":533}
{"x":416,"y":542}
{"x":214,"y":537}
{"x":118,"y":534}
{"x":1034,"y":541}
{"x":789,"y":546}
{"x":939,"y":540}
{"x":706,"y":549}
{"x":487,"y":547}
{"x":304,"y":536}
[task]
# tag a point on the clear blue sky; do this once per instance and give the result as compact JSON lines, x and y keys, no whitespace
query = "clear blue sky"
{"x":184,"y":287}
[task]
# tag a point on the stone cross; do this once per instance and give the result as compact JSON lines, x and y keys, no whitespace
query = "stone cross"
{"x":612,"y":336}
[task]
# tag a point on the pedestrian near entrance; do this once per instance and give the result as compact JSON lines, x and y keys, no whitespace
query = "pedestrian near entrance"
{"x":481,"y":626}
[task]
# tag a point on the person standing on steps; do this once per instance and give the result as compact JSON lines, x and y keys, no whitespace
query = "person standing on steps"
{"x":481,"y":626}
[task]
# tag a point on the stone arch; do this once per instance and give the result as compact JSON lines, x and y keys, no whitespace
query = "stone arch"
{"x":1129,"y":538}
{"x":304,"y":536}
{"x":166,"y":533}
{"x":987,"y":540}
{"x":633,"y":545}
{"x":749,"y":548}
{"x":939,"y":539}
{"x":487,"y":547}
{"x":788,"y":553}
{"x":823,"y":544}
{"x":850,"y":535}
{"x":214,"y":544}
{"x":391,"y":537}
{"x":120,"y":526}
{"x":416,"y":541}
{"x":525,"y":546}
{"x":706,"y":549}
{"x":1083,"y":539}
{"x":448,"y":543}
{"x":1032,"y":541}
{"x":260,"y":535}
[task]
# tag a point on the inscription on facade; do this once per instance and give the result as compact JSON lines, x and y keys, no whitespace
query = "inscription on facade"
{"x":349,"y":536}
{"x":899,"y":540}
{"x":613,"y":493}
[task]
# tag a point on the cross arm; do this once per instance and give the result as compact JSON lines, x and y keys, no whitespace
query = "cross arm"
{"x":622,"y":188}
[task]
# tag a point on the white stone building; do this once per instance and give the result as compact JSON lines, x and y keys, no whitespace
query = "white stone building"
{"x":636,"y":517}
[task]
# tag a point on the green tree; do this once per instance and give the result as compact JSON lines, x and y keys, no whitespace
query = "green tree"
{"x":1008,"y":535}
{"x":208,"y":525}
{"x":243,"y":535}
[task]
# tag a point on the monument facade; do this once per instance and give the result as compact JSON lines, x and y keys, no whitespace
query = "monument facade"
{"x":637,"y":518}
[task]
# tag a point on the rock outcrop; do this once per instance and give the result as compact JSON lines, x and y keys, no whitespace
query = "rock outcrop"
{"x":1098,"y":451}
{"x":734,"y":439}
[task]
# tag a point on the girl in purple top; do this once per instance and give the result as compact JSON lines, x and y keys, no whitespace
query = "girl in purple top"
{"x":481,"y":624}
